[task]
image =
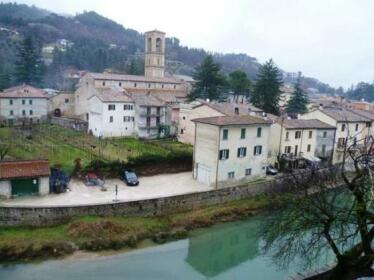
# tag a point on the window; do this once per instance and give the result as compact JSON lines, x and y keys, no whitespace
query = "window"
{"x":111,"y":107}
{"x":149,"y":85}
{"x":287,"y":149}
{"x":10,"y":102}
{"x":134,"y":84}
{"x":236,"y":111}
{"x":183,"y":117}
{"x":30,"y":102}
{"x":182,"y":131}
{"x":248,"y":172}
{"x":309,"y":147}
{"x":323,"y":151}
{"x":287,"y":135}
{"x":31,"y":112}
{"x":162,"y":86}
{"x":242,"y":152}
{"x":128,"y":107}
{"x":111,"y":119}
{"x":157,"y":121}
{"x":11,"y":112}
{"x":257,"y":150}
{"x":175,"y":86}
{"x":325,"y":134}
{"x":224,"y":154}
{"x":225,"y":134}
{"x":23,"y":101}
{"x":158,"y":110}
{"x":127,"y":119}
{"x":120,"y":84}
{"x":23,"y":112}
{"x":231,"y":175}
{"x":310,"y":134}
{"x":343,"y":126}
{"x":297,"y":134}
{"x":341,"y":142}
{"x":357,"y":126}
{"x":103,"y":83}
{"x":259,"y":131}
{"x":158,"y":45}
{"x":66,"y":100}
{"x":242,"y":133}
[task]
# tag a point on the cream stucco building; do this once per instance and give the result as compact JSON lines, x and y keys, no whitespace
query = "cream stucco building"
{"x":230,"y":149}
{"x":350,"y":127}
{"x":203,"y":109}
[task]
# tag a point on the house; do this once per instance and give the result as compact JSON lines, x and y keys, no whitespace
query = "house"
{"x":26,"y":177}
{"x":230,"y":149}
{"x":62,"y":104}
{"x":369,"y":115}
{"x":22,"y":105}
{"x":116,"y":113}
{"x":351,"y":128}
{"x":154,"y":81}
{"x":203,"y":109}
{"x":111,"y":114}
{"x":296,"y":141}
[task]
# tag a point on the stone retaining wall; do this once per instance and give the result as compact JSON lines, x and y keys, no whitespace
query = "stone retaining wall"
{"x":39,"y":216}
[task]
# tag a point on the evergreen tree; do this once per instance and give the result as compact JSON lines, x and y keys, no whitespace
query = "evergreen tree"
{"x":266,"y":92}
{"x":299,"y":100}
{"x":4,"y":75}
{"x":209,"y":80}
{"x":239,"y":83}
{"x":29,"y":67}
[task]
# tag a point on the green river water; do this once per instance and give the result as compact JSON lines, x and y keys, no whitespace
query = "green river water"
{"x":225,"y":251}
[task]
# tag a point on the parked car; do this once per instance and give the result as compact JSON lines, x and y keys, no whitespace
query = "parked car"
{"x":130,"y":177}
{"x":270,"y":170}
{"x":93,"y":180}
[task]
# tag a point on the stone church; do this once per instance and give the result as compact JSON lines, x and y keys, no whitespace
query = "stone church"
{"x":169,"y":88}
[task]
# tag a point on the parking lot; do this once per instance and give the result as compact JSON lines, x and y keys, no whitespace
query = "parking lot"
{"x":149,"y":187}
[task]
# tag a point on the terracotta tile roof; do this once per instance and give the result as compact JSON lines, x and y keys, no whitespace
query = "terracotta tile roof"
{"x":134,"y":78}
{"x":232,"y":120}
{"x":364,"y":113}
{"x":343,"y":115}
{"x":23,"y":91}
{"x":112,"y":95}
{"x":147,"y":99}
{"x":297,"y":123}
{"x":228,"y":108}
{"x":24,"y":169}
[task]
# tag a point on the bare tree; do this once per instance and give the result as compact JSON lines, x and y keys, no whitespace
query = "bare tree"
{"x":328,"y":210}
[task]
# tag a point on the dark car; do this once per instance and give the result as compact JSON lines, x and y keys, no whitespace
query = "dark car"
{"x":270,"y":170}
{"x":130,"y":178}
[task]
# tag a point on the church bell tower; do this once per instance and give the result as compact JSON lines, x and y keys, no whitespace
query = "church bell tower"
{"x":154,"y":61}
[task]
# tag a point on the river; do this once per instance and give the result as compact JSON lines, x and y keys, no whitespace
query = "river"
{"x":224,"y":251}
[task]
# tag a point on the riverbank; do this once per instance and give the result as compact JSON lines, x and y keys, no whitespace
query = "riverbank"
{"x":95,"y":234}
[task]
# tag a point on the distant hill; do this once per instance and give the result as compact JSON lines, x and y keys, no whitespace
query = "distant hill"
{"x":100,"y":43}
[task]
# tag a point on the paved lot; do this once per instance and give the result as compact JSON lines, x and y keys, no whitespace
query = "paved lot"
{"x":149,"y":187}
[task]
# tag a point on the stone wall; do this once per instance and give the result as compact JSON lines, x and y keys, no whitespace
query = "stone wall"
{"x":38,"y":216}
{"x":75,"y":124}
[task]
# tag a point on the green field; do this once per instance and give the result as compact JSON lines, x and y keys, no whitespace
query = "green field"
{"x":62,"y":146}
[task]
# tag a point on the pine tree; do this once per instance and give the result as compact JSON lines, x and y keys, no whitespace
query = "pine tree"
{"x":4,"y":75}
{"x":239,"y":83}
{"x":29,"y":67}
{"x":266,"y":92}
{"x":299,"y":100}
{"x":209,"y":80}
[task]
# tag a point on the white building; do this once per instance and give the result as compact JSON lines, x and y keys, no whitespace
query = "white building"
{"x":23,"y":104}
{"x":115,"y":113}
{"x":112,"y":114}
{"x":350,"y":127}
{"x":230,"y":149}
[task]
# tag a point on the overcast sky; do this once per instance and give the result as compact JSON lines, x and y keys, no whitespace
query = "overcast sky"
{"x":332,"y":40}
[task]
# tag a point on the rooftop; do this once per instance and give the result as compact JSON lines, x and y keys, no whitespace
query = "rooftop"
{"x":364,"y":113}
{"x":147,"y":99}
{"x":112,"y":95}
{"x":232,"y":120}
{"x":344,"y":115}
{"x":299,"y":124}
{"x":134,"y":78}
{"x":23,"y":91}
{"x":229,"y":109}
{"x":24,"y":169}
